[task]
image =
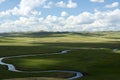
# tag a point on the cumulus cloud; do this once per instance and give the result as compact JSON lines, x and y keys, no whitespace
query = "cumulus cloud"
{"x":97,"y":1}
{"x":30,"y":24}
{"x":48,"y":5}
{"x":64,"y":13}
{"x":25,"y":8}
{"x":70,"y":4}
{"x":108,"y":20}
{"x":85,"y":21}
{"x":4,"y":13}
{"x":61,"y":4}
{"x":114,"y":4}
{"x":1,"y":1}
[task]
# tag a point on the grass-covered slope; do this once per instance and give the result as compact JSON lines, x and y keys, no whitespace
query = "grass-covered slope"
{"x":85,"y":55}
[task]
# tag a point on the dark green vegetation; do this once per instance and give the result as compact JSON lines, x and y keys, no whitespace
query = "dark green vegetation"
{"x":86,"y":57}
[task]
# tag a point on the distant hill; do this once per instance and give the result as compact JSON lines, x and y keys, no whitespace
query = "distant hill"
{"x":44,"y":33}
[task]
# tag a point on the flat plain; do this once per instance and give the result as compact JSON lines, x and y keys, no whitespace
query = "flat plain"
{"x":91,"y":54}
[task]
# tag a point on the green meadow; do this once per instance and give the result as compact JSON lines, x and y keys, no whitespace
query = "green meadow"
{"x":91,"y":54}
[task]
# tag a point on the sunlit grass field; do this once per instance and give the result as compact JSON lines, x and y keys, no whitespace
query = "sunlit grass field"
{"x":85,"y":55}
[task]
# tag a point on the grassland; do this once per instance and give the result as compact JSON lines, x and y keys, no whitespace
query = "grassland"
{"x":85,"y":55}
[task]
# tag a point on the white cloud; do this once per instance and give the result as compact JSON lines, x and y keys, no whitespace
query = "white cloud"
{"x":97,"y":1}
{"x":1,"y":1}
{"x":64,"y":13}
{"x":85,"y":21}
{"x":61,"y":4}
{"x":70,"y":4}
{"x":48,"y":5}
{"x":30,"y":24}
{"x":35,"y":13}
{"x":25,"y":8}
{"x":108,"y":20}
{"x":4,"y":13}
{"x":114,"y":4}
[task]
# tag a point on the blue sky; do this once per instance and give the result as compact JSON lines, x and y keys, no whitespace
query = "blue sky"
{"x":59,"y":15}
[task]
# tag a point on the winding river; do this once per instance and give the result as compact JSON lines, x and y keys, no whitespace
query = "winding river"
{"x":11,"y":67}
